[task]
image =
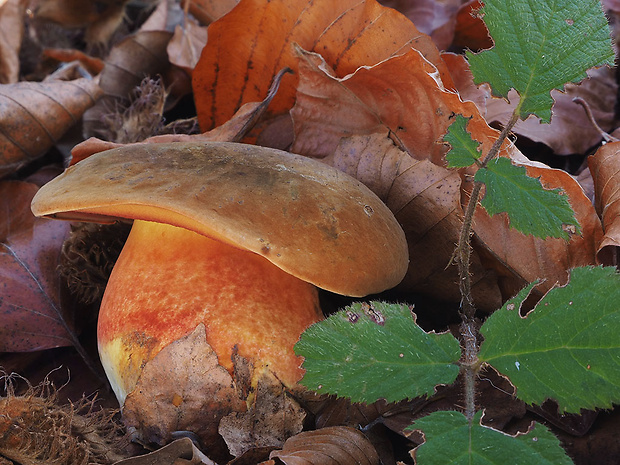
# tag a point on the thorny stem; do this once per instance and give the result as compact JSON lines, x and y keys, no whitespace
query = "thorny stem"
{"x":468,"y":328}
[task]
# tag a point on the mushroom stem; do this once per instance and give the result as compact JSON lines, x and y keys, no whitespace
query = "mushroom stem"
{"x":168,"y":280}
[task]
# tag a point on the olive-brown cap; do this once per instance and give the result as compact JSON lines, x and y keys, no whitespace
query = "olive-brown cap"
{"x":307,"y":218}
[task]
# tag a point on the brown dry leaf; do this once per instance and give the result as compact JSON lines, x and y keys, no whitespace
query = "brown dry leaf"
{"x":35,"y":115}
{"x":186,"y":44}
{"x":179,"y":452}
{"x":207,"y":11}
{"x":272,"y":417}
{"x":11,"y":35}
{"x":430,"y":17}
{"x":404,"y":94}
{"x":469,"y":30}
{"x":91,"y":64}
{"x":425,"y":199}
{"x":183,"y":388}
{"x":131,"y":60}
{"x":252,"y":43}
{"x":335,"y":445}
{"x":570,"y":130}
{"x":605,"y":168}
{"x":30,"y":307}
{"x":100,"y":18}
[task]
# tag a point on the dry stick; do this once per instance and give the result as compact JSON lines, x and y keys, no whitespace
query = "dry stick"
{"x":468,"y":328}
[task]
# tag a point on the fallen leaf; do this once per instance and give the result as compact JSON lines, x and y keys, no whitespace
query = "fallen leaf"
{"x":35,"y":115}
{"x":469,"y":30}
{"x":179,"y":452}
{"x":207,"y":11}
{"x":249,"y":45}
{"x":417,"y":110}
{"x":183,"y":388}
{"x":426,"y":200}
{"x":12,"y":27}
{"x":335,"y":445}
{"x":605,"y":168}
{"x":100,"y":18}
{"x":186,"y":44}
{"x":91,"y":64}
{"x":32,"y":315}
{"x":430,"y":17}
{"x":403,"y":94}
{"x":131,"y":60}
{"x":272,"y":417}
{"x":570,"y":130}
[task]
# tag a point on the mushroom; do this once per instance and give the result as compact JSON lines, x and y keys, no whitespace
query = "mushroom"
{"x":233,"y":236}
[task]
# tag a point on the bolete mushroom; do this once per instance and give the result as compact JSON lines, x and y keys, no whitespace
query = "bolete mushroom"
{"x":229,"y":235}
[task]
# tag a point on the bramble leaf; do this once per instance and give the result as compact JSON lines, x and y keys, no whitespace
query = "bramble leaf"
{"x":478,"y":445}
{"x":373,"y":351}
{"x":464,"y":150}
{"x":531,"y":208}
{"x":540,"y":45}
{"x":567,"y":348}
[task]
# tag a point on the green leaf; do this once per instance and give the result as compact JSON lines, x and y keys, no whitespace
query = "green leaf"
{"x":567,"y":348}
{"x":450,"y":439}
{"x":464,"y":150}
{"x":373,"y":351}
{"x":540,"y":45}
{"x":531,"y":208}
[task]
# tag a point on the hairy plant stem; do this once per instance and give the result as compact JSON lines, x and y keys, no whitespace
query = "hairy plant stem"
{"x":469,"y":329}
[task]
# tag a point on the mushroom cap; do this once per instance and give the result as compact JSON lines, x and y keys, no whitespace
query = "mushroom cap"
{"x":309,"y":219}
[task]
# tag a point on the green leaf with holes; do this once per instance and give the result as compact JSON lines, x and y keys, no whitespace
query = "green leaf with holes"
{"x":541,"y":45}
{"x":567,"y":348}
{"x":464,"y":150}
{"x":531,"y":208}
{"x":377,"y":350}
{"x":450,"y":439}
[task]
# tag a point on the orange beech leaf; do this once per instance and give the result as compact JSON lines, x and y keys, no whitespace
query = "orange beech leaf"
{"x":207,"y":11}
{"x":249,"y":45}
{"x":30,"y":306}
{"x":425,"y":199}
{"x":337,"y":445}
{"x":93,"y":65}
{"x":605,"y":168}
{"x":470,"y":31}
{"x":139,"y":55}
{"x":405,"y":96}
{"x":35,"y":115}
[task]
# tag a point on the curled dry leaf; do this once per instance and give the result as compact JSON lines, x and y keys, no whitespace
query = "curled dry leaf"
{"x":12,"y":27}
{"x":179,"y":452}
{"x":139,"y":55}
{"x":405,"y":96}
{"x":605,"y":168}
{"x":425,"y":199}
{"x":570,"y":130}
{"x":30,"y":307}
{"x":335,"y":445}
{"x":248,"y":46}
{"x":35,"y":115}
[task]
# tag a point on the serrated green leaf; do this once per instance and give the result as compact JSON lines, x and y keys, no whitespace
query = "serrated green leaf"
{"x":464,"y":150}
{"x":541,"y":45}
{"x":450,"y":439}
{"x":530,"y":208}
{"x":567,"y":348}
{"x":373,"y":351}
